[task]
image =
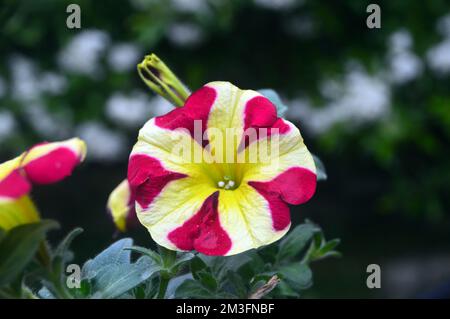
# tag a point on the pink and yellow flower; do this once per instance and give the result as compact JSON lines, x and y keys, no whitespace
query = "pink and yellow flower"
{"x":121,"y":206}
{"x":45,"y":163}
{"x":214,"y":207}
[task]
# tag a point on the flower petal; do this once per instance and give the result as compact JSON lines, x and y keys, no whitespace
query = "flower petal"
{"x":197,"y":107}
{"x":121,"y":206}
{"x":250,"y":220}
{"x":49,"y":163}
{"x":203,"y":231}
{"x":290,"y":172}
{"x":176,"y":203}
{"x":13,"y":186}
{"x":174,"y":149}
{"x":17,"y":212}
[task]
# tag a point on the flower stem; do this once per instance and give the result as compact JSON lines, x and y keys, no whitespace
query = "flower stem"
{"x":44,"y":254}
{"x":164,"y":282}
{"x":159,"y":78}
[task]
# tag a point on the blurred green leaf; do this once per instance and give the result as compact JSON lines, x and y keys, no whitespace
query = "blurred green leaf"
{"x":19,"y":246}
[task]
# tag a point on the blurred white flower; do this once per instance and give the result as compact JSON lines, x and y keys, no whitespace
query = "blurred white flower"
{"x":48,"y":125}
{"x":7,"y":124}
{"x":443,"y":26}
{"x":25,"y":86}
{"x":82,"y":54}
{"x":278,"y":4}
{"x":123,"y":57}
{"x":366,"y":97}
{"x":130,"y":111}
{"x":191,"y":6}
{"x":52,"y":83}
{"x":404,"y":67}
{"x":185,"y":34}
{"x":331,"y":89}
{"x":400,"y":41}
{"x":299,"y":109}
{"x":103,"y":144}
{"x":361,"y":98}
{"x":438,"y":57}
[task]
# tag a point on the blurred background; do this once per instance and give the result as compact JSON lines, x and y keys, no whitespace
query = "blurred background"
{"x":373,"y":104}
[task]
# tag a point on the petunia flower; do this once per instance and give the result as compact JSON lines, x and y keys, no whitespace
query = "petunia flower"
{"x":213,"y":206}
{"x":45,"y":163}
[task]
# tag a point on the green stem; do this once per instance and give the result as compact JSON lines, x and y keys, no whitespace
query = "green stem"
{"x":168,"y":257}
{"x":54,"y":270}
{"x":164,"y":282}
{"x":44,"y":255}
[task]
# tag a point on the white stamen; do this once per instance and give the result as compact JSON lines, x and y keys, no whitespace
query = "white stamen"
{"x":231,"y":183}
{"x":221,"y":184}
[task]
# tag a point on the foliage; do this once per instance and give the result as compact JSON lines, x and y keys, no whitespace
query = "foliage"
{"x":164,"y":274}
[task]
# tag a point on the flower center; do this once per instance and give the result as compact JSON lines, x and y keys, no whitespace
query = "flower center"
{"x":227,"y":183}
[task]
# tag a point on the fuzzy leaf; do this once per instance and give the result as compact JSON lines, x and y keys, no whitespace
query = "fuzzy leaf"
{"x":295,"y":241}
{"x":65,"y":243}
{"x":297,"y":275}
{"x":174,"y":283}
{"x":114,"y":280}
{"x":116,"y":254}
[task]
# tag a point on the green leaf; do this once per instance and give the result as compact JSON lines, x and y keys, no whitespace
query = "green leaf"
{"x":207,"y":280}
{"x":84,"y":291}
{"x":193,"y":289}
{"x":19,"y":246}
{"x":329,"y":246}
{"x":174,"y":283}
{"x":284,"y":290}
{"x":147,"y":252}
{"x":219,"y":266}
{"x":114,"y":280}
{"x":197,"y":265}
{"x":320,"y":248}
{"x":297,"y":275}
{"x":66,"y":242}
{"x":182,"y":258}
{"x":321,"y":173}
{"x":238,"y":285}
{"x":295,"y":241}
{"x":276,"y":100}
{"x":117,"y":254}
